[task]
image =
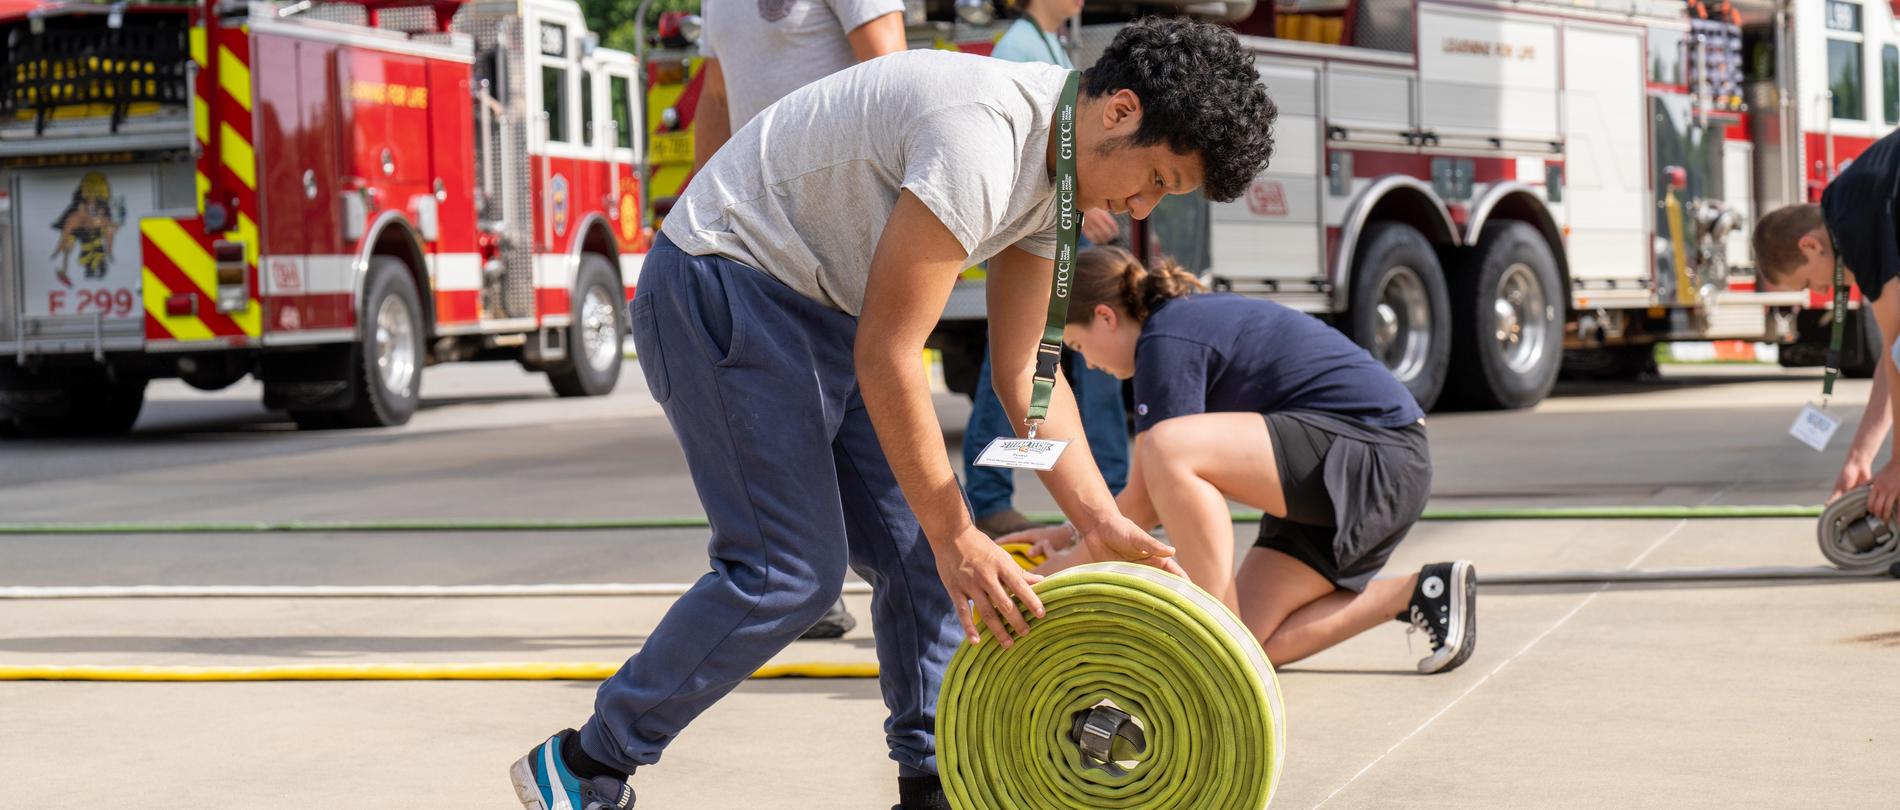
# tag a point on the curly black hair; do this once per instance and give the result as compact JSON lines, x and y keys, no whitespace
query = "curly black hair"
{"x":1199,"y":95}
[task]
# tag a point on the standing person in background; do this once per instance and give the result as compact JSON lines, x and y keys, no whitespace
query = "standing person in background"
{"x":1032,"y":39}
{"x":772,"y":47}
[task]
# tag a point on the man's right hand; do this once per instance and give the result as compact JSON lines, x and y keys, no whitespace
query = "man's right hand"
{"x":1855,"y":473}
{"x":981,"y":578}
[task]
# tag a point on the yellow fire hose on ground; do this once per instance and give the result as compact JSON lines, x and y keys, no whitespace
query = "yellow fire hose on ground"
{"x":1135,"y":690}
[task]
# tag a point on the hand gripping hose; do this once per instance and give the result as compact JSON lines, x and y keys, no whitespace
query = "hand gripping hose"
{"x":1135,"y":690}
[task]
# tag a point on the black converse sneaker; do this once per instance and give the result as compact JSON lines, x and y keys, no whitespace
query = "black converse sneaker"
{"x":1445,"y":606}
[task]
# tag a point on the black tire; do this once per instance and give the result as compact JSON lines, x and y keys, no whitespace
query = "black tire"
{"x":86,"y":409}
{"x":315,"y":420}
{"x":596,"y":335}
{"x":1610,"y":363}
{"x":1394,"y":263}
{"x":1508,"y":313}
{"x":378,"y":402}
{"x":1860,"y":356}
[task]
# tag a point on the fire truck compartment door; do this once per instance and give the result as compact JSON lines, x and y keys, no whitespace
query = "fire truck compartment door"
{"x":1273,"y":231}
{"x":1487,"y":74}
{"x":1606,"y":199}
{"x":76,"y":246}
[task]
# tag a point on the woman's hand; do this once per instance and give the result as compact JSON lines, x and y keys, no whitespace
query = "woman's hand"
{"x":1043,"y":541}
{"x":1118,"y":538}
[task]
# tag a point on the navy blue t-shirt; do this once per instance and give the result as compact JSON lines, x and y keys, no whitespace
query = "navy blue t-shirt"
{"x":1222,"y":353}
{"x":1859,"y":209}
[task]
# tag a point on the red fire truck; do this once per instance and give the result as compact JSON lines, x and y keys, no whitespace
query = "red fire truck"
{"x":1482,"y":191}
{"x":326,"y":196}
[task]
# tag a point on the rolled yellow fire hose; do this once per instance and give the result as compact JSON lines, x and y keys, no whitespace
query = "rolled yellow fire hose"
{"x":1136,"y":690}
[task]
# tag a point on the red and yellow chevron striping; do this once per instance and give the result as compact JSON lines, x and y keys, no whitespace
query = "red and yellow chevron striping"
{"x":177,"y":252}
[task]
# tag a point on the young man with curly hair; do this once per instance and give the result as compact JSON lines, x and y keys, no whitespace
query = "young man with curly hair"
{"x":779,"y":323}
{"x":1795,"y":249}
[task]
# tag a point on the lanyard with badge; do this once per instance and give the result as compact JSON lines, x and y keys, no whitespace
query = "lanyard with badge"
{"x":1814,"y":427}
{"x":1033,"y":453}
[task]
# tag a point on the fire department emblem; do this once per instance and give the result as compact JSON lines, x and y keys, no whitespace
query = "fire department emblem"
{"x":88,"y":226}
{"x":1265,"y":198}
{"x":629,"y":217}
{"x":774,"y":10}
{"x":557,"y":194}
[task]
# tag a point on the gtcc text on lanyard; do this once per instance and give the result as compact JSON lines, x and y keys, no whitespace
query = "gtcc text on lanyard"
{"x":1815,"y":427}
{"x":1033,"y":453}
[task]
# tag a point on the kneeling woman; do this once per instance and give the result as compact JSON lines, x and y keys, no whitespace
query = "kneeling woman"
{"x":1243,"y":399}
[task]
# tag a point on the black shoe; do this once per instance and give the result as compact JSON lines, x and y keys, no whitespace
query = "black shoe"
{"x":1445,"y":606}
{"x":835,"y":623}
{"x":920,"y":793}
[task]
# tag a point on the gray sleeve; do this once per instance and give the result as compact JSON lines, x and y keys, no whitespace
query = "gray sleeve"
{"x":853,"y":13}
{"x":1041,"y":244}
{"x":961,"y":162}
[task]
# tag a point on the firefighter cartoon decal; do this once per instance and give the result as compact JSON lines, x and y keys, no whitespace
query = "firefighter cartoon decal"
{"x":88,"y":225}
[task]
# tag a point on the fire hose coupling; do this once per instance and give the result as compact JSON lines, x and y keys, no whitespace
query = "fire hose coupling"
{"x":1108,"y":736}
{"x":1135,"y":690}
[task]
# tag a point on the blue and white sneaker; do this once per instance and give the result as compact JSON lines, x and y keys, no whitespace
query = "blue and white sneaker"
{"x":543,"y":782}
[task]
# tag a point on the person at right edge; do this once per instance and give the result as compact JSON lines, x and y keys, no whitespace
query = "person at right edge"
{"x":1795,"y":249}
{"x":781,"y":313}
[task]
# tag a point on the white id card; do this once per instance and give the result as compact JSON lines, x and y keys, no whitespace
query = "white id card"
{"x":1814,"y":427}
{"x":1023,"y":454}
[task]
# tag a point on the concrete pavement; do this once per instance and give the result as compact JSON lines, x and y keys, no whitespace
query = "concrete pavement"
{"x":1578,"y":696}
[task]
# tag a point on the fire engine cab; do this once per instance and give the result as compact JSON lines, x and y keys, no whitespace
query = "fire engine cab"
{"x":327,"y":196}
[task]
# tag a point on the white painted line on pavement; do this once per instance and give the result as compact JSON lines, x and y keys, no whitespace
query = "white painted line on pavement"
{"x":1500,"y":667}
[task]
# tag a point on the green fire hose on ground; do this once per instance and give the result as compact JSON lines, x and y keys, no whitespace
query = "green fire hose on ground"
{"x":1136,"y":690}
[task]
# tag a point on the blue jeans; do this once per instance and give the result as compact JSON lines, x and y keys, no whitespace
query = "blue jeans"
{"x":758,"y":383}
{"x":1098,"y":394}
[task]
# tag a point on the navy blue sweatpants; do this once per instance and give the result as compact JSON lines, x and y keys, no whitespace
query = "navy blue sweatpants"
{"x":758,"y":383}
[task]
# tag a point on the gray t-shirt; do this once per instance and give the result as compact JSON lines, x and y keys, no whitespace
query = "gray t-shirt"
{"x":803,"y":191}
{"x":767,"y":48}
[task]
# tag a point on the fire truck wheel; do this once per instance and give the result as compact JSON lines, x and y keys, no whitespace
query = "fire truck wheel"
{"x":1399,"y":309}
{"x":388,"y":368}
{"x":86,"y":409}
{"x":598,"y":332}
{"x":1509,"y":315}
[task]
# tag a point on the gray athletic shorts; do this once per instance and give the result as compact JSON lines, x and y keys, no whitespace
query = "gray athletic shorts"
{"x":1352,"y":491}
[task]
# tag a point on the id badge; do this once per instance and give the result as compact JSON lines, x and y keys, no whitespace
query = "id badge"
{"x":1814,"y":427}
{"x":1022,"y":454}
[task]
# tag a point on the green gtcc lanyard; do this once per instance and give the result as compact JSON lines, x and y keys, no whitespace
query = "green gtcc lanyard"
{"x":1840,"y":318}
{"x":1068,"y":228}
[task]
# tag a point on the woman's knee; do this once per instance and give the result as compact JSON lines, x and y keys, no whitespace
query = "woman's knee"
{"x":1169,"y":447}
